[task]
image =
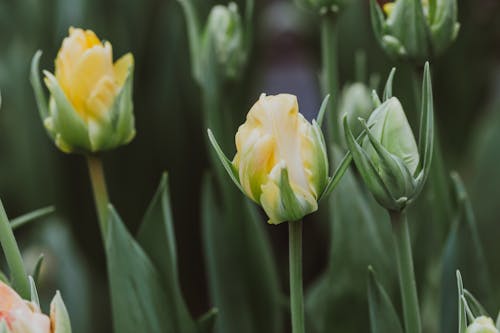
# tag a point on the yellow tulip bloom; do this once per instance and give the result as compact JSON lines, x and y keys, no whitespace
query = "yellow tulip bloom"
{"x":281,"y":159}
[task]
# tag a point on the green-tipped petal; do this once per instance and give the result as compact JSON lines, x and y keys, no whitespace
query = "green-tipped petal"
{"x":59,"y":315}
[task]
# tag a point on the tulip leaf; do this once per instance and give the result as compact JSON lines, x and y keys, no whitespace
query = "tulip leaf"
{"x":376,"y":99}
{"x":377,"y":18}
{"x":388,"y":85}
{"x":322,"y":110}
{"x":462,"y":317}
{"x":137,"y":298}
{"x":34,"y":293}
{"x":4,"y":278}
{"x":337,"y":175}
{"x":194,"y":36}
{"x":383,"y":316}
{"x":476,"y":307}
{"x":226,"y":163}
{"x":31,"y":216}
{"x":38,"y":268}
{"x":41,"y":101}
{"x":206,"y":323}
{"x":157,"y":239}
{"x":368,"y":171}
{"x":242,"y":274}
{"x":3,"y":327}
{"x":426,"y":133}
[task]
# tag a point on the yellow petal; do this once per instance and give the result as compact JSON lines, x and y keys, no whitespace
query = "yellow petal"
{"x":121,"y":68}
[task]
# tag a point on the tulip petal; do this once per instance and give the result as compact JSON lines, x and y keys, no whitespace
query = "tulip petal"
{"x":67,"y":122}
{"x":59,"y":315}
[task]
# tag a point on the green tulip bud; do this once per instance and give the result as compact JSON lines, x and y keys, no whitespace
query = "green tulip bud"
{"x":355,"y":102}
{"x":415,"y":30}
{"x":90,"y":107}
{"x":482,"y":325}
{"x":224,"y":39}
{"x":323,"y":6}
{"x":392,"y":165}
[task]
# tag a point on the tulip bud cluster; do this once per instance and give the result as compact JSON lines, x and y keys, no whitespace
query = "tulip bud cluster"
{"x":415,"y":29}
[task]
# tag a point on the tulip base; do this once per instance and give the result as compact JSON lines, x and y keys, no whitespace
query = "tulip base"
{"x":406,"y":272}
{"x":296,"y":288}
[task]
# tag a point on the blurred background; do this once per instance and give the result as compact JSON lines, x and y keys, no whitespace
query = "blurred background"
{"x":170,"y":136}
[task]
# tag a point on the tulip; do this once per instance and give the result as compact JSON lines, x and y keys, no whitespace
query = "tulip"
{"x":90,"y":107}
{"x":415,"y":29}
{"x":323,"y":6}
{"x":224,"y":39}
{"x":482,"y":325}
{"x":389,"y":160}
{"x":20,"y":316}
{"x":281,"y":162}
{"x":355,"y":102}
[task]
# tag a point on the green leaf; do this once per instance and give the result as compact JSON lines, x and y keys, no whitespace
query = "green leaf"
{"x":242,"y":274}
{"x":426,"y":132}
{"x":477,"y":309}
{"x":138,"y":301}
{"x":29,"y":217}
{"x":376,"y":99}
{"x":226,"y":163}
{"x":34,"y":293}
{"x":383,"y":316}
{"x":388,"y":85}
{"x":206,"y":323}
{"x":377,"y":18}
{"x":337,"y":175}
{"x":38,"y":267}
{"x":322,"y":110}
{"x":462,"y":316}
{"x":157,"y":238}
{"x":41,"y":101}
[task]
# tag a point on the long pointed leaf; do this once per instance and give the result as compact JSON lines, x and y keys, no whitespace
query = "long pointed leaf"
{"x":29,"y":217}
{"x":322,"y":110}
{"x":426,"y":132}
{"x":388,"y":85}
{"x":383,"y":316}
{"x":462,"y":318}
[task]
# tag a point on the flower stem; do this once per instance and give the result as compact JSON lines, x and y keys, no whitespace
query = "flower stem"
{"x":330,"y":71}
{"x":13,"y":256}
{"x":100,"y":191}
{"x":296,"y":293}
{"x":406,"y":272}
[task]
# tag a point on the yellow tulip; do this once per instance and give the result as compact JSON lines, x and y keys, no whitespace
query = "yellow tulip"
{"x":281,"y":159}
{"x":90,"y":107}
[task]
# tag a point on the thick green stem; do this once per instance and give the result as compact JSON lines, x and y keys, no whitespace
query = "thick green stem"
{"x":100,"y":191}
{"x":18,"y":274}
{"x":406,"y":272}
{"x":296,"y":292}
{"x":330,"y":72}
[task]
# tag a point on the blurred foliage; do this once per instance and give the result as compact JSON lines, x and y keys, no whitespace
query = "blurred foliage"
{"x":171,"y":137}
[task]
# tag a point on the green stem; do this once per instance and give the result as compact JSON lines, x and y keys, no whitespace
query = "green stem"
{"x":100,"y":191}
{"x":18,"y":274}
{"x":296,"y":293}
{"x":330,"y":72}
{"x":406,"y":272}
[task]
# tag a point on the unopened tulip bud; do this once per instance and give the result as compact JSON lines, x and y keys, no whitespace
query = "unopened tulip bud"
{"x":482,"y":325}
{"x":415,"y":30}
{"x":90,"y":107}
{"x":224,"y":37}
{"x":355,"y":102}
{"x":389,"y":159}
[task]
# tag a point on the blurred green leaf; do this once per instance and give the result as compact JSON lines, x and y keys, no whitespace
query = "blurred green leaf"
{"x":383,"y":316}
{"x":206,"y":323}
{"x":157,"y":239}
{"x":241,"y":269}
{"x":138,"y":297}
{"x":29,"y":217}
